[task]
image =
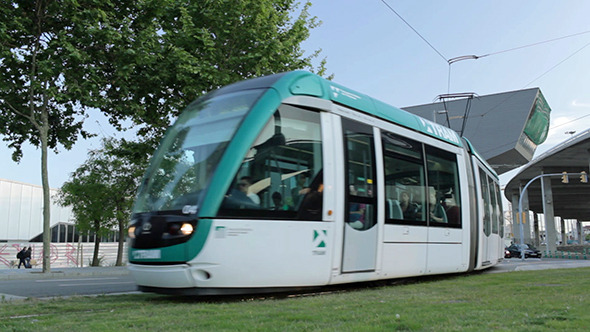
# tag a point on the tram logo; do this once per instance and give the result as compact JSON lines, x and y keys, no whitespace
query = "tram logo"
{"x":440,"y":131}
{"x":190,"y":209}
{"x":147,"y":227}
{"x":320,"y":237}
{"x":339,"y":92}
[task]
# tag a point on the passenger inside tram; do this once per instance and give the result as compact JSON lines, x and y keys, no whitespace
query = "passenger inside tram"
{"x":312,"y":202}
{"x":277,"y":200}
{"x":435,"y":208}
{"x":409,"y":209}
{"x":298,"y":192}
{"x":451,"y":208}
{"x":356,"y":217}
{"x":244,"y":186}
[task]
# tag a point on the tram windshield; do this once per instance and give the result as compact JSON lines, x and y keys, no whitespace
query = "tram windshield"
{"x":181,"y":168}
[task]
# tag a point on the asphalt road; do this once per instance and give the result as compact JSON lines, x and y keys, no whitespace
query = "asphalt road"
{"x":67,"y":286}
{"x":37,"y":285}
{"x":531,"y":264}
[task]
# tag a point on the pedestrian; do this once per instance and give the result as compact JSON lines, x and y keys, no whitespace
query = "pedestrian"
{"x":21,"y":257}
{"x":28,"y":258}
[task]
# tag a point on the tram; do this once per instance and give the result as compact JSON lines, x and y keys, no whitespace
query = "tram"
{"x":292,"y":181}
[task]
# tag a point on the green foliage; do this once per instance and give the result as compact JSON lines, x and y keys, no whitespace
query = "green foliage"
{"x":183,"y":49}
{"x":50,"y":71}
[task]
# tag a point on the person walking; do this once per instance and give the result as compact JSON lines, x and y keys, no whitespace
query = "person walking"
{"x":21,"y":257}
{"x":28,"y":258}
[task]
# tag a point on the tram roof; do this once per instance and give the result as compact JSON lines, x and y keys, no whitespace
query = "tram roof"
{"x":303,"y":83}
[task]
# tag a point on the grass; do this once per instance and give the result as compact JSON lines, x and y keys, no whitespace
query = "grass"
{"x":545,"y":300}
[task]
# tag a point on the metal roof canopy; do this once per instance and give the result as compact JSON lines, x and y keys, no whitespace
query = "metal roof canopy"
{"x":570,"y":200}
{"x":502,"y":127}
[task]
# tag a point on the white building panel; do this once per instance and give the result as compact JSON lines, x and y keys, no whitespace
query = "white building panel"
{"x":37,"y":211}
{"x":4,"y":207}
{"x":21,"y":211}
{"x":14,"y":210}
{"x":24,"y":226}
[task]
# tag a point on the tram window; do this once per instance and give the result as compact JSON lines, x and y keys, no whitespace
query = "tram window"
{"x":404,"y":180}
{"x":487,"y":229}
{"x":444,"y":197}
{"x":493,"y":205}
{"x":360,"y":166}
{"x":182,"y":166}
{"x":281,"y":176}
{"x":499,"y":207}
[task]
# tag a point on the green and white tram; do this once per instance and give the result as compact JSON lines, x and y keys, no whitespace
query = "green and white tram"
{"x":291,"y":181}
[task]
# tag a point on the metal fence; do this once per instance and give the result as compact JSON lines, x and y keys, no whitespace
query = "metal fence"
{"x":62,"y":254}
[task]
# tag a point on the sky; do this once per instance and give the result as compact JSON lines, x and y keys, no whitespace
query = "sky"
{"x":370,"y":49}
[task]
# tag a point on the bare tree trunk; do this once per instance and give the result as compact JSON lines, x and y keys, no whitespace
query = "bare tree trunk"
{"x":95,"y":260}
{"x":44,"y":133}
{"x":122,"y":234}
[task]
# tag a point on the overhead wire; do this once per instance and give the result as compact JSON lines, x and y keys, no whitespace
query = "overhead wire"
{"x":534,"y":44}
{"x":559,"y":63}
{"x":415,"y":31}
{"x":576,"y":119}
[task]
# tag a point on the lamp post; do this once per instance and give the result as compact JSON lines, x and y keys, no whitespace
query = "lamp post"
{"x":564,"y":177}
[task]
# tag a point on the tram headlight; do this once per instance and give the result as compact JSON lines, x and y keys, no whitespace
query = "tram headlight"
{"x":186,"y":229}
{"x":131,"y":232}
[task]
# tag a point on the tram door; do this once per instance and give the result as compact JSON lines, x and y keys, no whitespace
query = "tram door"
{"x":360,"y":227}
{"x":486,"y":216}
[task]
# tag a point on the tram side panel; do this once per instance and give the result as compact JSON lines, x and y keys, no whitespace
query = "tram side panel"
{"x":266,"y":254}
{"x":409,"y":245}
{"x":404,"y":251}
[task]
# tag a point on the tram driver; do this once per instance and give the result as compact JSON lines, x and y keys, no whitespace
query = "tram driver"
{"x":244,"y":186}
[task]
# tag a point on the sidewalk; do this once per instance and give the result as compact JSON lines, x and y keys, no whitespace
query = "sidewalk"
{"x":62,"y":272}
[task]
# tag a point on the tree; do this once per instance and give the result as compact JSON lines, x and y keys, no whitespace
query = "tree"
{"x":184,"y":49}
{"x":142,"y":60}
{"x":101,"y":190}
